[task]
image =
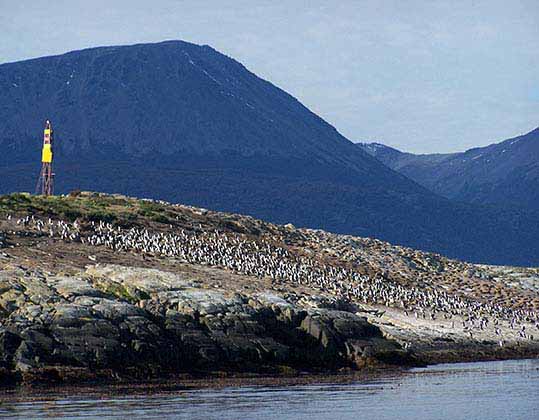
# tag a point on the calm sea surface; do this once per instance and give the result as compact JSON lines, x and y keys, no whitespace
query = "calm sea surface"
{"x":491,"y":390}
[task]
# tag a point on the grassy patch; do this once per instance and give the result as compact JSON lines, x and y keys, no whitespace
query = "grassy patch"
{"x":88,"y":206}
{"x":156,"y":212}
{"x":15,"y":202}
{"x":101,"y":215}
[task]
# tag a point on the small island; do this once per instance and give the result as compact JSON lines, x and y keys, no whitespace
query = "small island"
{"x":101,"y":288}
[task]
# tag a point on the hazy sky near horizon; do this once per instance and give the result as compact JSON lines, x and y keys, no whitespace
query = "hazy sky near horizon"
{"x":422,"y":76}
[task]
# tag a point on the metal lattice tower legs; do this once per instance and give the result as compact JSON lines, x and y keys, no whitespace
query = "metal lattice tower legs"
{"x":45,"y":184}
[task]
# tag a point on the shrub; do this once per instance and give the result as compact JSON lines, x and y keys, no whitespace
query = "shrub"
{"x":98,"y":215}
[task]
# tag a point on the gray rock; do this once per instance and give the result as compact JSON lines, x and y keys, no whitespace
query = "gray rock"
{"x":69,"y":287}
{"x":100,"y":323}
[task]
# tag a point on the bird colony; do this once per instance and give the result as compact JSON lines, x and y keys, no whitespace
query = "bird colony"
{"x":261,"y":258}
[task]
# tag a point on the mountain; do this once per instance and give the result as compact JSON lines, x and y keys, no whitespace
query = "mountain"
{"x":505,"y":173}
{"x":185,"y":123}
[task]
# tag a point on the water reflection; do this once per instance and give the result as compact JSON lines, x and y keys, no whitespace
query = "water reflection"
{"x":491,"y":390}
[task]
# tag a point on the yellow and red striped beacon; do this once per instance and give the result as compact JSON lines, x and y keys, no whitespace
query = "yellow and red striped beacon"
{"x":46,"y":155}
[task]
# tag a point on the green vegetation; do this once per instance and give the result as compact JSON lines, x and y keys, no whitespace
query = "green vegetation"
{"x":153,"y":211}
{"x":15,"y":202}
{"x":87,"y":206}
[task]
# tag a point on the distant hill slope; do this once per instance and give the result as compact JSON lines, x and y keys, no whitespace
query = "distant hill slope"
{"x":505,"y":173}
{"x":185,"y":123}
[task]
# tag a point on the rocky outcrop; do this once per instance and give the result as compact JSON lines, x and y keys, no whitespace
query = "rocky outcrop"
{"x":138,"y":323}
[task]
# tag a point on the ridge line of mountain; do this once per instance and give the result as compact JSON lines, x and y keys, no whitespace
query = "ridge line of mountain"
{"x":504,"y":173}
{"x":225,"y":139}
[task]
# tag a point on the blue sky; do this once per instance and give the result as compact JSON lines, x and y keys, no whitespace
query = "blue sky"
{"x":422,"y":76}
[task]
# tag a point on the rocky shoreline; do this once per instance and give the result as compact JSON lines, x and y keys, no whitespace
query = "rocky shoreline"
{"x":112,"y":323}
{"x":119,"y":322}
{"x":228,"y":296}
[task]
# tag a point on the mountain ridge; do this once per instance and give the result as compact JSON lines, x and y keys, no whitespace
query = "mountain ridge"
{"x":504,"y":173}
{"x":150,"y":121}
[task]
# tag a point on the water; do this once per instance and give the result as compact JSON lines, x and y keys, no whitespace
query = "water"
{"x":490,"y":390}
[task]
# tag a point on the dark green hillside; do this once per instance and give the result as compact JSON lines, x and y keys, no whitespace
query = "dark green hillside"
{"x":184,"y":123}
{"x":504,"y":174}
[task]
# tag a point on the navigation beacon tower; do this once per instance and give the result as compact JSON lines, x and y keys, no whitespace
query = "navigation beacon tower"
{"x":45,"y":182}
